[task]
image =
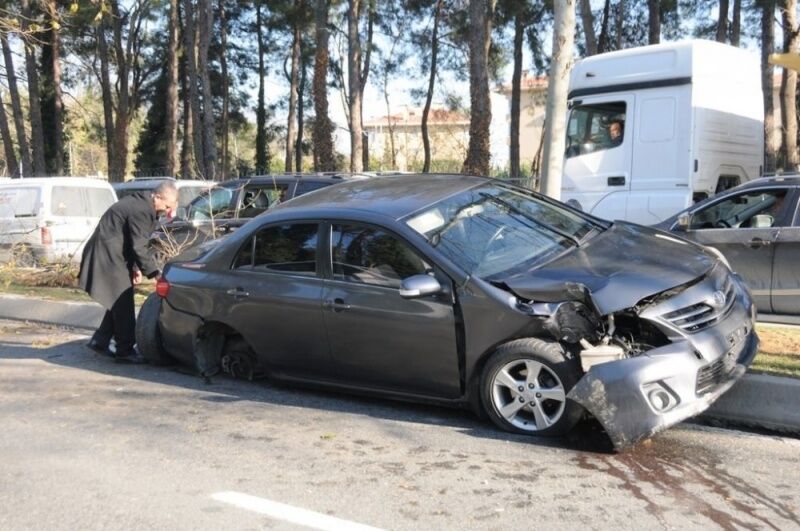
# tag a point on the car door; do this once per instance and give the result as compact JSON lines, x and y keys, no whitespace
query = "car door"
{"x":744,"y":226}
{"x":597,"y":167}
{"x":785,"y":293}
{"x":272,"y":296}
{"x":379,"y":339}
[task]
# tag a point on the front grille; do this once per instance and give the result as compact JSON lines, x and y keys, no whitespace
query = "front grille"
{"x":700,"y":316}
{"x":714,"y":373}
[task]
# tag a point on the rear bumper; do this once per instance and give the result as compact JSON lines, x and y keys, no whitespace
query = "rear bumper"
{"x":637,"y":397}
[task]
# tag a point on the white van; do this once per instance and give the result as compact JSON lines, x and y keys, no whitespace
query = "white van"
{"x":50,"y":218}
{"x":691,"y":118}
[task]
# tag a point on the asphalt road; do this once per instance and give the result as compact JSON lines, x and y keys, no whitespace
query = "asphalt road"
{"x":89,"y":444}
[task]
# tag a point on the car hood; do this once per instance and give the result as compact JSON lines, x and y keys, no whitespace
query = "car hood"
{"x":615,"y":269}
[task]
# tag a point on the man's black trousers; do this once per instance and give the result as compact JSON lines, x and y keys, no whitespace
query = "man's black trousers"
{"x":119,"y":322}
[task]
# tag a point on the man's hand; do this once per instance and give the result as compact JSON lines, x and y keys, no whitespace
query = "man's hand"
{"x":136,"y":277}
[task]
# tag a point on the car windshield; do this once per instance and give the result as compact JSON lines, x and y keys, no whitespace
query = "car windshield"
{"x":493,"y":230}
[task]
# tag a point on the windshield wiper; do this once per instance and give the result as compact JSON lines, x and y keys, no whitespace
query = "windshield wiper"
{"x":527,"y":216}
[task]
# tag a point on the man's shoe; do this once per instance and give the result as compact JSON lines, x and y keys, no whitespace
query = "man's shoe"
{"x":132,"y":358}
{"x":99,"y":348}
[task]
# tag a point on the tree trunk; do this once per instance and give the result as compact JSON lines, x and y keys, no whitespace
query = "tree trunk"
{"x":171,"y":124}
{"x":16,"y":107}
{"x":480,"y":24}
{"x":789,"y":153}
{"x":262,"y":150}
{"x":105,"y":87}
{"x":298,"y":145}
{"x":34,"y":111}
{"x":736,"y":24}
{"x":654,"y":21}
{"x":294,"y":81}
{"x":555,"y":114}
{"x":206,"y":29}
{"x":8,"y":143}
{"x":58,"y":104}
{"x":120,"y":139}
{"x":426,"y":143}
{"x":588,"y":27}
{"x":722,"y":21}
{"x":364,"y":75}
{"x":620,"y":23}
{"x":354,"y":85}
{"x":322,"y":133}
{"x":516,"y":90}
{"x":223,"y":60}
{"x":190,"y":52}
{"x":602,"y":45}
{"x":767,"y":39}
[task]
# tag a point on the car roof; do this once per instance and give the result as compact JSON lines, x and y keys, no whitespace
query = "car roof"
{"x":332,"y":178}
{"x":149,"y":183}
{"x":395,"y":196}
{"x":57,"y":181}
{"x":788,"y":180}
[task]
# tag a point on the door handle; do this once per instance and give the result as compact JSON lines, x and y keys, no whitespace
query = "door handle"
{"x":755,"y":243}
{"x":616,"y":181}
{"x":336,"y":305}
{"x":238,"y":293}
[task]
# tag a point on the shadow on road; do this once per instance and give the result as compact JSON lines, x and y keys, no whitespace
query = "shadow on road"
{"x":588,"y":436}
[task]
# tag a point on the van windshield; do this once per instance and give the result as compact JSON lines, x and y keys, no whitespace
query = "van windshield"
{"x":19,"y":202}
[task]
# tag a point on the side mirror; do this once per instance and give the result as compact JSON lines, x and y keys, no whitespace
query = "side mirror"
{"x":684,"y":221}
{"x":419,"y":286}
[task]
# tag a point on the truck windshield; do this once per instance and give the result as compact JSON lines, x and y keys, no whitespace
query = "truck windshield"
{"x":595,"y":127}
{"x":493,"y":230}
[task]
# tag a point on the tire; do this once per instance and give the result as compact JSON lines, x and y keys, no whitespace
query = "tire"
{"x":529,"y":411}
{"x":148,"y":335}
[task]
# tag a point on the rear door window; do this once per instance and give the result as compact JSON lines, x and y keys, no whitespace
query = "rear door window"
{"x":257,"y":199}
{"x":100,"y":199}
{"x":19,"y":202}
{"x":289,"y":248}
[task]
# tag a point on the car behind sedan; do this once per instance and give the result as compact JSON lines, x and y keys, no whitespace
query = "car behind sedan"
{"x":467,"y":292}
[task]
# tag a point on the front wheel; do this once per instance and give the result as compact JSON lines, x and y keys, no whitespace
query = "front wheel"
{"x":524,"y":388}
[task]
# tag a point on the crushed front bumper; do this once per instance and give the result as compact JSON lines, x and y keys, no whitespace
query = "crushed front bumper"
{"x":637,"y":397}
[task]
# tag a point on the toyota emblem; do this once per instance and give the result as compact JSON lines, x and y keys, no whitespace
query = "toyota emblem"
{"x":717,"y":300}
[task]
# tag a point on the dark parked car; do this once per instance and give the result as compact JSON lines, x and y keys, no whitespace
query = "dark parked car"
{"x":756,"y":226}
{"x":462,"y":291}
{"x":230,"y":205}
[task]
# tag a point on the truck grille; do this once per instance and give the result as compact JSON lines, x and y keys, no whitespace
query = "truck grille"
{"x":700,"y":316}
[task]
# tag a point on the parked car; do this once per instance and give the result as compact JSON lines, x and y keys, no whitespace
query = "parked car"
{"x":188,"y":189}
{"x":756,"y":226}
{"x":47,"y":219}
{"x":230,"y":205}
{"x":462,"y":291}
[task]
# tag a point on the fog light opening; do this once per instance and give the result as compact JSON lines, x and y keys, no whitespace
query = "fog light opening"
{"x":660,"y":400}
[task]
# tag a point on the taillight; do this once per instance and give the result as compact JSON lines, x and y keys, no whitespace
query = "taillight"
{"x":47,"y":237}
{"x":162,"y":287}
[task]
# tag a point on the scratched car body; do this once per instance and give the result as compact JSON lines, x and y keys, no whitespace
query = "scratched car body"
{"x":468,"y":292}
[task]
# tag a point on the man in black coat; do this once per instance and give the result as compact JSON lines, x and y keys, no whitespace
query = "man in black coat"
{"x":116,"y":258}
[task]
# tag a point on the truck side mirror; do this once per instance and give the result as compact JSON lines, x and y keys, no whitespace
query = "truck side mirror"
{"x":684,"y":221}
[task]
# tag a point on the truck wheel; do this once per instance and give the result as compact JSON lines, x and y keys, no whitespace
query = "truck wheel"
{"x":524,"y":388}
{"x":148,"y":335}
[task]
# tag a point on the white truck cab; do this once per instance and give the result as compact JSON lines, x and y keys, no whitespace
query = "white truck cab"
{"x":651,"y":130}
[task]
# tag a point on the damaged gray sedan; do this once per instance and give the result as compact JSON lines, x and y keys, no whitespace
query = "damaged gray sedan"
{"x":468,"y":292}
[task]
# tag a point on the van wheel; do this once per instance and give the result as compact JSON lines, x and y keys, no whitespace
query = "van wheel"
{"x":148,"y":335}
{"x":524,"y":388}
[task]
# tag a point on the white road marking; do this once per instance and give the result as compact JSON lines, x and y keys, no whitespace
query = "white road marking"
{"x":289,"y":513}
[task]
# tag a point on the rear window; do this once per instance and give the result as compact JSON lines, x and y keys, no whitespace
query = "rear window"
{"x":19,"y":202}
{"x":100,"y":199}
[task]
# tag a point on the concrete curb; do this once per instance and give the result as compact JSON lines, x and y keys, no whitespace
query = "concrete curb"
{"x":757,"y":401}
